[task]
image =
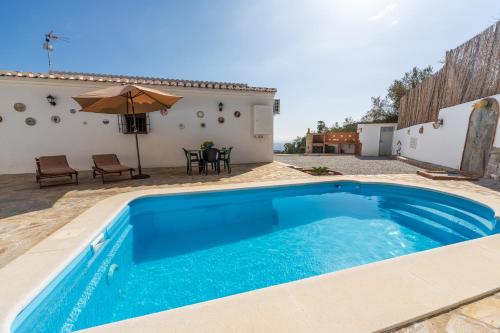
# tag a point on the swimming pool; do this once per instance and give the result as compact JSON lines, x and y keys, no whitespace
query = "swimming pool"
{"x":166,"y":252}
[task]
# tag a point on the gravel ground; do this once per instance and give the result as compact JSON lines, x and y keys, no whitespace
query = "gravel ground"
{"x":349,"y":164}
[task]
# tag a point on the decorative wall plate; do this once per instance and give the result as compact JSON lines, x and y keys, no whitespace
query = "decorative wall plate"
{"x":105,"y":121}
{"x":200,"y":114}
{"x":237,"y":114}
{"x":30,"y":121}
{"x":72,"y":111}
{"x":220,"y":120}
{"x":20,"y":107}
{"x":55,"y":119}
{"x":203,"y":125}
{"x":182,"y":126}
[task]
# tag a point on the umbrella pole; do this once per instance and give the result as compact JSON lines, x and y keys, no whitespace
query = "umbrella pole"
{"x":140,"y":175}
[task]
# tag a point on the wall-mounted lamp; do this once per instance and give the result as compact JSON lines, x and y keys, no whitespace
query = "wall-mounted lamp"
{"x":51,"y":99}
{"x":221,"y":106}
{"x":438,"y":123}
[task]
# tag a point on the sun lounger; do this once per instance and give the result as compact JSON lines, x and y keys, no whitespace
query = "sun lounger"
{"x":54,"y":167}
{"x":108,"y":164}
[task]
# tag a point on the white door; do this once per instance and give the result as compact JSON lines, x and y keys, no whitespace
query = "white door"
{"x":385,"y":143}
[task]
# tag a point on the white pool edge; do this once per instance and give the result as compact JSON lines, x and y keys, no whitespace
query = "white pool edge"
{"x":366,"y":298}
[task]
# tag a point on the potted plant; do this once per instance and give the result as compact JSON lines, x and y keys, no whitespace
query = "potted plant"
{"x":206,"y":145}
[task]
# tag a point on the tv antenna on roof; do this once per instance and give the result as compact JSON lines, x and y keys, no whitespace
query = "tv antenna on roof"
{"x":50,"y":38}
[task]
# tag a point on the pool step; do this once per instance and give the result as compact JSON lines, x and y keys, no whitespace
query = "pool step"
{"x":427,"y":227}
{"x":486,"y":225}
{"x":480,"y":216}
{"x":463,"y":227}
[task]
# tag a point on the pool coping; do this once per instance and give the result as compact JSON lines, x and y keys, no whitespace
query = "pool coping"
{"x":368,"y":298}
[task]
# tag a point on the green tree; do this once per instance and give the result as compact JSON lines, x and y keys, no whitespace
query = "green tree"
{"x":321,"y":127}
{"x":410,"y":80}
{"x":380,"y":111}
{"x":349,"y":125}
{"x":297,"y":146}
{"x":288,"y":148}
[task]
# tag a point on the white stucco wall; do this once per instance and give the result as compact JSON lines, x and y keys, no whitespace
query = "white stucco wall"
{"x":369,"y":136}
{"x":20,"y":143}
{"x":443,"y":146}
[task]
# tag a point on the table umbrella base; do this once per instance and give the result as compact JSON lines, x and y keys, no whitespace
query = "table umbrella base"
{"x":140,"y":176}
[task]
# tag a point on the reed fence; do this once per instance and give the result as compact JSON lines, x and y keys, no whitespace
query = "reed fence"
{"x":471,"y":71}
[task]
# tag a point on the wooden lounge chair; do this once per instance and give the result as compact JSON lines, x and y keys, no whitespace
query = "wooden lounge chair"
{"x":108,"y":164}
{"x":54,"y":167}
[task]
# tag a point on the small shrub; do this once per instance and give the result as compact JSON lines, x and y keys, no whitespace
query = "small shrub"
{"x":319,"y":170}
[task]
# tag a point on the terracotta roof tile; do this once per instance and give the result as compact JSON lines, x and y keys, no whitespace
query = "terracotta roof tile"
{"x":135,"y":79}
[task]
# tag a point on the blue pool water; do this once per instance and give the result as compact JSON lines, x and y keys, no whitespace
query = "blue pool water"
{"x":171,"y":251}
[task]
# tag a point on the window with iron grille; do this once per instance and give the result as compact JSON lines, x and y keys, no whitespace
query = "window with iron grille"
{"x":276,"y":106}
{"x":126,"y":123}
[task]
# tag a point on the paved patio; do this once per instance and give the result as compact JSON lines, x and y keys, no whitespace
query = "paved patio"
{"x":349,"y":164}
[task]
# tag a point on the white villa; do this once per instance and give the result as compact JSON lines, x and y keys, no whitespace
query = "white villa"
{"x":38,"y":117}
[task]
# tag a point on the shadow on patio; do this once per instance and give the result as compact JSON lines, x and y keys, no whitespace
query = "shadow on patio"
{"x":20,"y":194}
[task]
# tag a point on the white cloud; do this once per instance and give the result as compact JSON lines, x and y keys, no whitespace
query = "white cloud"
{"x":383,"y":13}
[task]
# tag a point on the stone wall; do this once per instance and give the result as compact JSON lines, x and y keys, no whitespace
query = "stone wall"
{"x":493,"y":167}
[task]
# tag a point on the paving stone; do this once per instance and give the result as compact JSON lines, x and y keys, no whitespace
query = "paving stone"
{"x":433,"y":325}
{"x":486,"y":311}
{"x":461,"y":324}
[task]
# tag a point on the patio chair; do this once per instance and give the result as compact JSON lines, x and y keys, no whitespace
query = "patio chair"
{"x":192,"y":159}
{"x":211,"y":156}
{"x":54,"y":167}
{"x":106,"y":164}
{"x":225,"y":157}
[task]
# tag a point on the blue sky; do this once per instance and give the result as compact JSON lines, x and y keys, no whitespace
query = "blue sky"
{"x":327,"y":58}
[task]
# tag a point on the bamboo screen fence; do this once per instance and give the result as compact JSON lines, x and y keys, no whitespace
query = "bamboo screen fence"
{"x":471,"y":71}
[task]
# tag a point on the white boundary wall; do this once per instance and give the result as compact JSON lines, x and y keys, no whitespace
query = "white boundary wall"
{"x":443,"y":146}
{"x":20,"y":143}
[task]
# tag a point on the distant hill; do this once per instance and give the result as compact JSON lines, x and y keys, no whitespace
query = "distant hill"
{"x":279,"y":146}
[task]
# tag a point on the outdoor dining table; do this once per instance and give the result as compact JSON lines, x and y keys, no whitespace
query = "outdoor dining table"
{"x":200,"y":151}
{"x":223,"y":151}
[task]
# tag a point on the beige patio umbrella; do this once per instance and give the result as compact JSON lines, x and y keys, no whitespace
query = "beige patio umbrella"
{"x":127,"y":99}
